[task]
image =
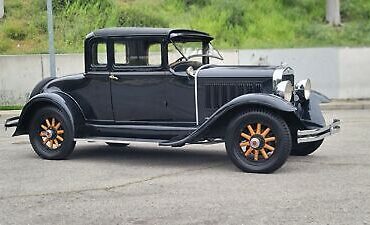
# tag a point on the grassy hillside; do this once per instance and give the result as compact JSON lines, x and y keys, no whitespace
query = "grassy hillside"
{"x":234,"y":23}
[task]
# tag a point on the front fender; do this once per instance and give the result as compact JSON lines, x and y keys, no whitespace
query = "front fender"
{"x":265,"y":100}
{"x":58,"y":99}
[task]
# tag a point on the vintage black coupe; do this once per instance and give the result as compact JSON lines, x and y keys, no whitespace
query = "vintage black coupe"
{"x":158,"y":85}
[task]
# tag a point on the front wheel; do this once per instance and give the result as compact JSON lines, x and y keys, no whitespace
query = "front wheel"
{"x":258,"y":141}
{"x":51,"y":134}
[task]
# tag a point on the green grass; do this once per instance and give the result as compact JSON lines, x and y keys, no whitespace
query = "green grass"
{"x":10,"y":107}
{"x":234,"y":23}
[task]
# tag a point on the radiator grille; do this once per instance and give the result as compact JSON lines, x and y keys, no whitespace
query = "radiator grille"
{"x":218,"y":94}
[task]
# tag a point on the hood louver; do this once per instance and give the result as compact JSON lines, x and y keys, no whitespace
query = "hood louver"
{"x":218,"y":94}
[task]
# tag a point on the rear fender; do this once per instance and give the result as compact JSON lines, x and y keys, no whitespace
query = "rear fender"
{"x":58,"y":99}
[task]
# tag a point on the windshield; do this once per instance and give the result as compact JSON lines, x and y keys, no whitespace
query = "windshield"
{"x":193,"y":49}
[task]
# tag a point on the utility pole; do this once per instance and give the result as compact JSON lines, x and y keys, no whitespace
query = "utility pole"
{"x":333,"y":12}
{"x":1,"y":9}
{"x":49,"y":6}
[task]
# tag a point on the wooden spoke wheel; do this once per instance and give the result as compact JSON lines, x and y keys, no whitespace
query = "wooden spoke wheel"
{"x":258,"y":141}
{"x":51,"y":133}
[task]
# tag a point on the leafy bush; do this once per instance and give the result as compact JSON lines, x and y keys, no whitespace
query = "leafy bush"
{"x":132,"y":17}
{"x":196,"y":2}
{"x":15,"y":30}
{"x":233,"y":23}
{"x":4,"y":45}
{"x":355,"y":10}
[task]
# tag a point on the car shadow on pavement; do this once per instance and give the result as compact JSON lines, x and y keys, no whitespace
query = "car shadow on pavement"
{"x":152,"y":155}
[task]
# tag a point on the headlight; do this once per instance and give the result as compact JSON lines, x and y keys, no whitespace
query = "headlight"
{"x":285,"y":90}
{"x":303,"y":89}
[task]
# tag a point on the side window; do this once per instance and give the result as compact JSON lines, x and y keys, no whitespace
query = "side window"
{"x":120,"y":53}
{"x":138,"y":52}
{"x":99,"y":54}
{"x":154,"y":54}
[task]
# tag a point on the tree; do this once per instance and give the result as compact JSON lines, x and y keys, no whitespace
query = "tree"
{"x":333,"y":12}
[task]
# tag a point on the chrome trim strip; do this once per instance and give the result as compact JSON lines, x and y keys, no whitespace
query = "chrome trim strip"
{"x":118,"y":140}
{"x":277,"y":76}
{"x":196,"y":90}
{"x":318,"y":134}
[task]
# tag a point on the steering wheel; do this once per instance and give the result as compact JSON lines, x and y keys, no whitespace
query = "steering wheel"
{"x":179,"y":59}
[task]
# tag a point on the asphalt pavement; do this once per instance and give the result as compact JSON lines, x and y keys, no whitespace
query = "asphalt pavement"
{"x":196,"y":184}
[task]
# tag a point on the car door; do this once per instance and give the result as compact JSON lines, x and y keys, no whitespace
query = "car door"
{"x":94,"y":93}
{"x":181,"y":98}
{"x":138,"y":81}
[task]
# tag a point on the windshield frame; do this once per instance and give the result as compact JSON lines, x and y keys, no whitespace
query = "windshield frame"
{"x":206,"y":45}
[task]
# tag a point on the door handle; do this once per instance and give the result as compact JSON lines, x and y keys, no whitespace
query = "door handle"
{"x":112,"y":77}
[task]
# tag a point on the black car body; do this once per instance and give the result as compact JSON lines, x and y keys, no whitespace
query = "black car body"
{"x":124,"y":96}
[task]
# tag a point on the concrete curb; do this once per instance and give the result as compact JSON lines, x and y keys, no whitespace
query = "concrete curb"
{"x":346,"y":105}
{"x":9,"y":113}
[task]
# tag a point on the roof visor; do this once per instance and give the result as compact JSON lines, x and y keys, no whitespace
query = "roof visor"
{"x":189,"y":34}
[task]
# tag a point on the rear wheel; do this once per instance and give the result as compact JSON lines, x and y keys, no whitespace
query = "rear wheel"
{"x":51,"y":134}
{"x":304,"y":149}
{"x":258,"y":141}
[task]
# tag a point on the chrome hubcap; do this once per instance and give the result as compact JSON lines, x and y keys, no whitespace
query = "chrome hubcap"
{"x":254,"y":142}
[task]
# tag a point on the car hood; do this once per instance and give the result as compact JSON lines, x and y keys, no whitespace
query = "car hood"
{"x":237,"y":71}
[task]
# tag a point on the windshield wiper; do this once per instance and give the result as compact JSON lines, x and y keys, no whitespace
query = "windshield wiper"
{"x":179,"y":50}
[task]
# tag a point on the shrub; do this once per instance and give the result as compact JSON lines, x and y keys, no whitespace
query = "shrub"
{"x":15,"y":30}
{"x":139,"y":18}
{"x":4,"y":45}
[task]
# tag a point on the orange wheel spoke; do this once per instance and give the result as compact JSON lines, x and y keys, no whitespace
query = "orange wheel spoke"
{"x":49,"y":143}
{"x":44,"y":127}
{"x":256,"y":155}
{"x":270,"y":139}
{"x":251,"y":131}
{"x":60,"y":138}
{"x":269,"y":147}
{"x":57,"y":126}
{"x":249,"y":151}
{"x":60,"y":131}
{"x":258,"y":131}
{"x":246,"y":136}
{"x":263,"y":152}
{"x":265,"y":132}
{"x":43,"y":134}
{"x":45,"y":140}
{"x":244,"y":144}
{"x":56,"y":142}
{"x":53,"y":122}
{"x":48,"y":123}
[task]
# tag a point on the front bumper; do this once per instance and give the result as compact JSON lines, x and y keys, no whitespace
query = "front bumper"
{"x":318,"y":134}
{"x":11,"y":122}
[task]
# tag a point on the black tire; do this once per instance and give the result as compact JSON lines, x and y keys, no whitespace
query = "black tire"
{"x":120,"y":145}
{"x":282,"y":144}
{"x":307,"y":148}
{"x":62,"y":147}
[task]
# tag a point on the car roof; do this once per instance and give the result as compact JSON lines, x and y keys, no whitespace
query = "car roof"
{"x":134,"y":31}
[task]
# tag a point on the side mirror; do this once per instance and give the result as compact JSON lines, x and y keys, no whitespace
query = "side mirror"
{"x":190,"y":71}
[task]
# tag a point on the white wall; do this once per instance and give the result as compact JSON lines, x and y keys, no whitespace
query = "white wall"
{"x":318,"y":64}
{"x":354,"y":73}
{"x":337,"y":72}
